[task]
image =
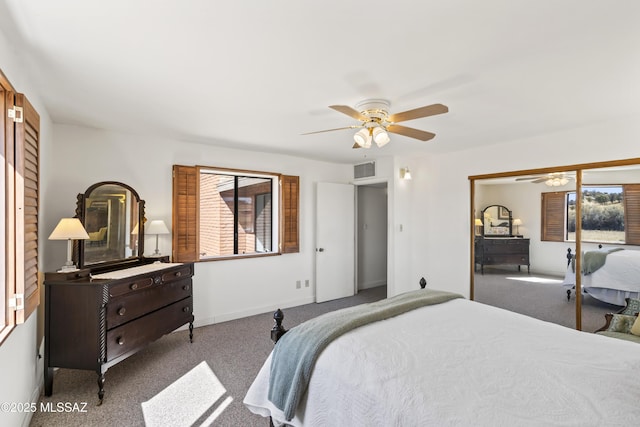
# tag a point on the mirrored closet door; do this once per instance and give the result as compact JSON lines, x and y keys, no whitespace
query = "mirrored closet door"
{"x":528,"y":226}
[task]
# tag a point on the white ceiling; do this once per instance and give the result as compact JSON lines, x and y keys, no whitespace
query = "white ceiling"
{"x":256,"y":74}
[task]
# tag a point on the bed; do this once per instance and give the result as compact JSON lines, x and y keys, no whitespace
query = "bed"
{"x":462,"y":363}
{"x":618,"y":278}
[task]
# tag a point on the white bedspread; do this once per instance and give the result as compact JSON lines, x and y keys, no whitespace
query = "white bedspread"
{"x":463,"y":363}
{"x":616,"y":280}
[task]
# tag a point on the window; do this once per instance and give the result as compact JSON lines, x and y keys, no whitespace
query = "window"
{"x":19,"y":184}
{"x":610,"y":214}
{"x":222,"y":213}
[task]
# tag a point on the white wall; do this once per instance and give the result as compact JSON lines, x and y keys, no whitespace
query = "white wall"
{"x":441,"y":190}
{"x":223,"y":290}
{"x":20,"y":370}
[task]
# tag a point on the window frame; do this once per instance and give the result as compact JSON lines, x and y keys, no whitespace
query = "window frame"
{"x":186,"y":213}
{"x":550,"y":214}
{"x":274,"y":184}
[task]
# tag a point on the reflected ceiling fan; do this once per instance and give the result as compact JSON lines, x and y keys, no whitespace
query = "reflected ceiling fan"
{"x":554,"y":179}
{"x":376,"y":123}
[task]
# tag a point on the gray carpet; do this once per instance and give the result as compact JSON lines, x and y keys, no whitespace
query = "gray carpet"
{"x":533,"y":295}
{"x":233,"y":350}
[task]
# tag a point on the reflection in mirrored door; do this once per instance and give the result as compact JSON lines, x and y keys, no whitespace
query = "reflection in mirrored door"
{"x":563,"y":212}
{"x":609,"y":241}
{"x":515,"y":268}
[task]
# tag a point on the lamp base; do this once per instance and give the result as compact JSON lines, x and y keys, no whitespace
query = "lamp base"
{"x":67,"y":269}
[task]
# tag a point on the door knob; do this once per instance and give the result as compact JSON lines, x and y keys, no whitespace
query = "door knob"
{"x":320,"y":250}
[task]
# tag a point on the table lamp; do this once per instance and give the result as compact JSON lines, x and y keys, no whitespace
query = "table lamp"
{"x":157,"y":227}
{"x":517,"y":222}
{"x":69,"y":229}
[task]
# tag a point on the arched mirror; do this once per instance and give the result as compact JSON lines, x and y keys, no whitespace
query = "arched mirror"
{"x":111,"y":212}
{"x":496,"y":221}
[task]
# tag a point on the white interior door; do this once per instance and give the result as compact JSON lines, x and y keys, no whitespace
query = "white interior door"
{"x":335,"y":241}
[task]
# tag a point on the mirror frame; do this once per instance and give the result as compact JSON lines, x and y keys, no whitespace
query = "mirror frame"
{"x":577,"y":168}
{"x":79,"y":253}
{"x":510,"y":219}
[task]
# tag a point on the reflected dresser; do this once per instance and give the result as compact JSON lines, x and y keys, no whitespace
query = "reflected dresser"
{"x":501,"y":250}
{"x":94,"y":321}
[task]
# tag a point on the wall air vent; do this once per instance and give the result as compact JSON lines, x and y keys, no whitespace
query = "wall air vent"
{"x":364,"y":170}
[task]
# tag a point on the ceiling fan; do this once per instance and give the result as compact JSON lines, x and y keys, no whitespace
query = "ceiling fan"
{"x":376,"y":122}
{"x":554,"y":179}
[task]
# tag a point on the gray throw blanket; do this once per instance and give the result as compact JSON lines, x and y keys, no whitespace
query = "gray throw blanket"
{"x":296,"y":352}
{"x":593,"y":260}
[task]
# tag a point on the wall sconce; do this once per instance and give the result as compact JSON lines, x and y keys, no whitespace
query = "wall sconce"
{"x":478,"y":223}
{"x":405,"y":173}
{"x":157,"y":227}
{"x":517,"y":222}
{"x":69,"y":229}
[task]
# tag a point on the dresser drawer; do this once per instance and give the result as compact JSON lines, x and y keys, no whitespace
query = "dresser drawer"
{"x":131,"y":336}
{"x":178,"y":274}
{"x":520,"y":259}
{"x":133,"y":305}
{"x":130,"y":286}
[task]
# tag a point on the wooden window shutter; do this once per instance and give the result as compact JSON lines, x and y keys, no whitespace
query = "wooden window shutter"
{"x":631,"y":197}
{"x":185,"y":213}
{"x":27,"y":170}
{"x":290,"y":240}
{"x":553,"y":210}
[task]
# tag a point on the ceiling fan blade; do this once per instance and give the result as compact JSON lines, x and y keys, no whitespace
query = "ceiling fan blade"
{"x":429,"y":110}
{"x":330,"y":130}
{"x":539,"y":180}
{"x":410,"y":132}
{"x":528,"y":178}
{"x":345,"y":109}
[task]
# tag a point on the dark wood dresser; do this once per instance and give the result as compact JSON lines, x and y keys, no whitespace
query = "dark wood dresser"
{"x":501,"y":250}
{"x":94,"y":321}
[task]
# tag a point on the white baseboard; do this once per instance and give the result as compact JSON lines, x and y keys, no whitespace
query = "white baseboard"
{"x":204,"y":321}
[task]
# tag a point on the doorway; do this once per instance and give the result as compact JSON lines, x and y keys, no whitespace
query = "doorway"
{"x":371,"y":236}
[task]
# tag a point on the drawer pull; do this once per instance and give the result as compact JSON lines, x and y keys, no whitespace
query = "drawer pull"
{"x":178,"y":273}
{"x":186,"y":309}
{"x":185,"y":287}
{"x":122,"y":311}
{"x":156,"y":280}
{"x":134,"y":286}
{"x":120,"y":341}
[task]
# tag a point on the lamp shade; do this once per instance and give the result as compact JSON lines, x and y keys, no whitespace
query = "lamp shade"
{"x":69,"y":229}
{"x":380,"y":136}
{"x":363,"y":138}
{"x":478,"y":222}
{"x":517,"y":221}
{"x":157,"y":226}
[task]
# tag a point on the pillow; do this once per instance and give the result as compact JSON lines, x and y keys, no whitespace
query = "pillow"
{"x":621,"y":323}
{"x":635,"y":329}
{"x":633,"y":306}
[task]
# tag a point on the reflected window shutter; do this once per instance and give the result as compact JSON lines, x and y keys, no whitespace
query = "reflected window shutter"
{"x":631,"y":199}
{"x":553,"y":209}
{"x":185,"y":213}
{"x":290,"y":240}
{"x":27,"y":140}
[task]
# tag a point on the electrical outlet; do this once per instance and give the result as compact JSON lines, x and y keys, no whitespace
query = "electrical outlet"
{"x":298,"y":284}
{"x":306,"y":283}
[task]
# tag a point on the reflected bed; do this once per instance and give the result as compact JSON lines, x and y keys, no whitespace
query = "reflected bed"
{"x":617,"y":279}
{"x":464,"y":363}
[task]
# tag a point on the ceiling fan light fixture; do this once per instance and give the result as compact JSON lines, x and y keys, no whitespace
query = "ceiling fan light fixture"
{"x":557,"y":181}
{"x":380,"y":136}
{"x":363,"y":138}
